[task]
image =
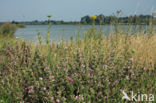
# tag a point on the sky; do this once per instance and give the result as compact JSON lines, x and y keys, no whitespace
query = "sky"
{"x":70,"y":10}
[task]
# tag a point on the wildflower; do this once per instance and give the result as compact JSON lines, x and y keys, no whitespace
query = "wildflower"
{"x":77,"y":97}
{"x":21,"y":101}
{"x":99,"y":94}
{"x":41,"y":78}
{"x":121,"y":90}
{"x":66,"y":47}
{"x":93,"y":17}
{"x":82,"y":97}
{"x":22,"y":96}
{"x":131,"y":59}
{"x":57,"y":100}
{"x":71,"y":79}
{"x":48,"y":34}
{"x":49,"y":16}
{"x":52,"y":98}
{"x":145,"y":68}
{"x":52,"y":76}
{"x":44,"y":88}
{"x":83,"y":65}
{"x":30,"y":90}
{"x":127,"y":77}
{"x":105,"y":66}
{"x":133,"y":74}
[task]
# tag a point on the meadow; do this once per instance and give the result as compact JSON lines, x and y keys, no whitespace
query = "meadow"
{"x":95,"y":69}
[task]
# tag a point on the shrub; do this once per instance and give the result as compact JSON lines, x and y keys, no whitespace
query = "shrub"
{"x":7,"y":30}
{"x":20,"y":25}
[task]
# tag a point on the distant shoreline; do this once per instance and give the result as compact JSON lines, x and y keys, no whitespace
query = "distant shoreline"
{"x":100,"y":20}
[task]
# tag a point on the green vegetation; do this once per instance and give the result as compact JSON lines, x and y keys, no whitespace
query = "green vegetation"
{"x":101,"y":19}
{"x":93,"y":70}
{"x":136,"y":19}
{"x":20,"y":25}
{"x":7,"y":30}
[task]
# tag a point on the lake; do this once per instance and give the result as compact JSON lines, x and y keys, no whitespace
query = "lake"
{"x":57,"y":32}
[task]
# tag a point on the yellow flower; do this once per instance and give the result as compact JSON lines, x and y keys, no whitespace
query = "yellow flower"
{"x":93,"y":17}
{"x":48,"y":34}
{"x":49,"y":16}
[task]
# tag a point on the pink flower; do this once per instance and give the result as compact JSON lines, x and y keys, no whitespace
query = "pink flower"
{"x":41,"y":78}
{"x":127,"y":77}
{"x":52,"y":76}
{"x":71,"y":79}
{"x":105,"y":66}
{"x":44,"y":88}
{"x":131,"y":59}
{"x":52,"y":98}
{"x":77,"y":97}
{"x":57,"y":100}
{"x":22,"y":96}
{"x":133,"y":74}
{"x":30,"y":90}
{"x":21,"y":101}
{"x":145,"y":68}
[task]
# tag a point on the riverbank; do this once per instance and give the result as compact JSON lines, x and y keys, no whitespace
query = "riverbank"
{"x":93,"y":69}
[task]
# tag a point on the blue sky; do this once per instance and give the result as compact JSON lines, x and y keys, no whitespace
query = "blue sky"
{"x":70,"y":9}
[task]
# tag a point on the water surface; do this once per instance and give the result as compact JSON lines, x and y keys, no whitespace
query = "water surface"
{"x":59,"y":32}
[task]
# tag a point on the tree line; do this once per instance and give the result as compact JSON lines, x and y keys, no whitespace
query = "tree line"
{"x":100,"y":20}
{"x":136,"y":19}
{"x":46,"y":22}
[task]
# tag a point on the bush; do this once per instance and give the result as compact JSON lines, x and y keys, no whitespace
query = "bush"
{"x":8,"y":30}
{"x":20,"y":25}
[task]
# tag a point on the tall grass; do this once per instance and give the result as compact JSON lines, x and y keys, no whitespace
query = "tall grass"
{"x":93,"y":70}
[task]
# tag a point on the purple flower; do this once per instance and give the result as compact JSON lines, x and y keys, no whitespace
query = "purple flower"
{"x":121,"y":90}
{"x":99,"y":94}
{"x":71,"y":79}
